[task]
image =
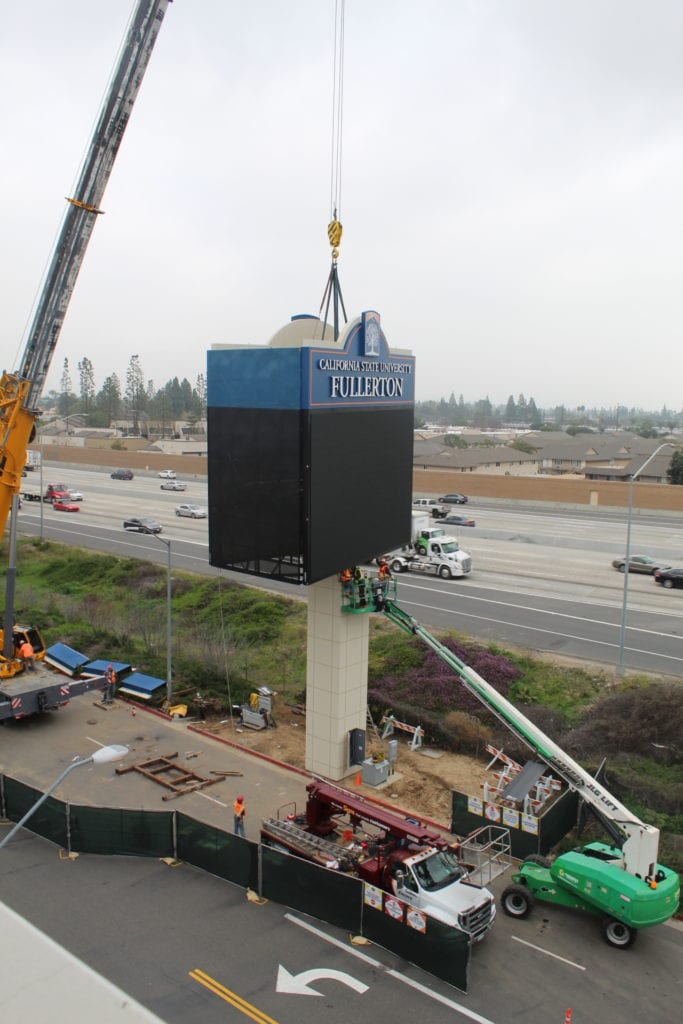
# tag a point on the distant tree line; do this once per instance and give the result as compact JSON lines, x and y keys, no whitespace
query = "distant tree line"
{"x":138,"y":401}
{"x":483,"y":413}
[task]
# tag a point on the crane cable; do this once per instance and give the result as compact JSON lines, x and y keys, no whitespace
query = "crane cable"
{"x":334,"y":228}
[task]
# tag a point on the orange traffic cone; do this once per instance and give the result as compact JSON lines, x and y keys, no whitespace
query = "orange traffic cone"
{"x":358,"y":779}
{"x":568,"y":1016}
{"x":134,"y":712}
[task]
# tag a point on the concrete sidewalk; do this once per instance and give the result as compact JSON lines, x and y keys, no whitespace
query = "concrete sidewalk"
{"x":36,"y":750}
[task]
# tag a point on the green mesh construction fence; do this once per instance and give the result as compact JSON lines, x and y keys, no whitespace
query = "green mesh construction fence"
{"x":311,"y":889}
{"x":108,"y":830}
{"x":49,"y":821}
{"x":224,"y":855}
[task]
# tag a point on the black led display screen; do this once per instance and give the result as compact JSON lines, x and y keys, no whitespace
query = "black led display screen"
{"x":299,"y":494}
{"x":255,"y":490}
{"x":360,"y":486}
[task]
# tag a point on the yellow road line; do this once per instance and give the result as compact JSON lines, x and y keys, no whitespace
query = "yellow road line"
{"x":230,"y":997}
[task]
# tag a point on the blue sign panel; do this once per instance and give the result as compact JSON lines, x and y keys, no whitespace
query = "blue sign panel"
{"x":361,"y":375}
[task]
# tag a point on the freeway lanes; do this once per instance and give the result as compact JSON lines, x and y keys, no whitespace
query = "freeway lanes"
{"x":542,"y":578}
{"x":539,"y":622}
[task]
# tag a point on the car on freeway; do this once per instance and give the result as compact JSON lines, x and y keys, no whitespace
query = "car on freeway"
{"x":75,"y":495}
{"x":669,"y":577}
{"x":167,"y":474}
{"x":191,"y":511}
{"x":639,"y":563}
{"x":65,"y":506}
{"x":453,"y":520}
{"x":454,"y":499}
{"x":173,"y":485}
{"x":142,"y":525}
{"x":122,"y":474}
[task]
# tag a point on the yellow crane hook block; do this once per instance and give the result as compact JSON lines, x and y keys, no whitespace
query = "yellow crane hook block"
{"x":334,"y":233}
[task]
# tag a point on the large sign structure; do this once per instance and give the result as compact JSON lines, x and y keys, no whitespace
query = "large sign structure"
{"x":310,"y":450}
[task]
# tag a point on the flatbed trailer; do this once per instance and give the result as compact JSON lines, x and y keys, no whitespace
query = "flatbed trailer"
{"x":32,"y":693}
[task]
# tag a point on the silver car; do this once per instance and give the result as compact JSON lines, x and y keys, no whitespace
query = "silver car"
{"x":173,"y":485}
{"x":191,"y":511}
{"x":640,"y":563}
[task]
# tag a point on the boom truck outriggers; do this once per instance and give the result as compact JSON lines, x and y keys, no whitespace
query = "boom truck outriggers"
{"x":621,"y":881}
{"x":20,"y":390}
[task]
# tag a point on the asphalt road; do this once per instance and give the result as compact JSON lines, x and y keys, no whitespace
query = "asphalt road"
{"x":542,"y":577}
{"x":193,"y":950}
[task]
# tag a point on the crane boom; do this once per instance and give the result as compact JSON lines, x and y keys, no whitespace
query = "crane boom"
{"x":20,"y":391}
{"x":637,"y":841}
{"x":84,"y":207}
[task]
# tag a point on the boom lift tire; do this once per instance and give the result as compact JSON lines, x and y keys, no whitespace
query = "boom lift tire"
{"x":517,"y":901}
{"x":618,"y":934}
{"x":536,"y":858}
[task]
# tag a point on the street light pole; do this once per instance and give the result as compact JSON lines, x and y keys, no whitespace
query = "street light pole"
{"x":169,"y":620}
{"x":42,"y":492}
{"x":627,"y":561}
{"x":113,"y":752}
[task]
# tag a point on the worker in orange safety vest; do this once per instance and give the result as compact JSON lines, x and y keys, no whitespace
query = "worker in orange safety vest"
{"x":239,"y":811}
{"x":27,"y":654}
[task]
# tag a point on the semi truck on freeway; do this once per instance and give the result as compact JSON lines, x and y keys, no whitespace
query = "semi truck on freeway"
{"x":431,"y":552}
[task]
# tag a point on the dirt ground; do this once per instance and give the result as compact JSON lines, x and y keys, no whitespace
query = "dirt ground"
{"x":422,"y":781}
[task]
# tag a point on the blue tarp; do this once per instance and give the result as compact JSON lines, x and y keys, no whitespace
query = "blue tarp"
{"x":141,"y":685}
{"x":66,"y":658}
{"x":99,"y":667}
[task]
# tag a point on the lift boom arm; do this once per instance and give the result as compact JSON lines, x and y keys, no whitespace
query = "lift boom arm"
{"x":20,"y":392}
{"x":639,"y":843}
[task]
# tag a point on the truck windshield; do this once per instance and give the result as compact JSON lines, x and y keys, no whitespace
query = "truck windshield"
{"x":449,"y":547}
{"x":438,"y":871}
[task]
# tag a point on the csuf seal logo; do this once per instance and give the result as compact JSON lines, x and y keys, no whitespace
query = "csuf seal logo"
{"x":372,"y":336}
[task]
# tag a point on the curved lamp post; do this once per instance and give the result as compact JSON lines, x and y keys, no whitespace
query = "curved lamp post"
{"x":627,"y":563}
{"x":114,"y":752}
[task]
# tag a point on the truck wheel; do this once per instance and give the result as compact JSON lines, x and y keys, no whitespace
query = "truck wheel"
{"x":536,"y":858}
{"x":420,"y":550}
{"x":397,"y":566}
{"x":617,"y":933}
{"x":445,"y":573}
{"x":517,"y":901}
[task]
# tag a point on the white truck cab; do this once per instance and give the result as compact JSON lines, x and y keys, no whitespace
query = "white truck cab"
{"x":436,"y":882}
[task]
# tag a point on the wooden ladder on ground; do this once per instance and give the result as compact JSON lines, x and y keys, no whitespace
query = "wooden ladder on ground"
{"x":371,"y":724}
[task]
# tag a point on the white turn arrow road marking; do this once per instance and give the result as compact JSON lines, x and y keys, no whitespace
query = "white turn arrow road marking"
{"x":298,"y":984}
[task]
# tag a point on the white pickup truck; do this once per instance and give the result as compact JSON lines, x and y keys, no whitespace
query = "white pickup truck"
{"x":432,"y":507}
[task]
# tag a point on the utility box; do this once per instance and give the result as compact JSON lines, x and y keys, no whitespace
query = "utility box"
{"x":392,"y":751}
{"x":375,"y":772}
{"x":356,"y":746}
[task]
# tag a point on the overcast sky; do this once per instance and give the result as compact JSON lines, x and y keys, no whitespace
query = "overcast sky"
{"x":512,"y":193}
